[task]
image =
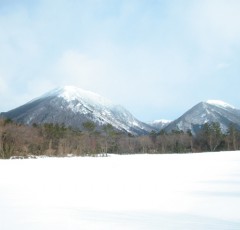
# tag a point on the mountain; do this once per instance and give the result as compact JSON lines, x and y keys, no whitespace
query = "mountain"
{"x":206,"y":112}
{"x":73,"y":106}
{"x":159,"y":124}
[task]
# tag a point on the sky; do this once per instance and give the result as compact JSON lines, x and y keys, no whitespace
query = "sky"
{"x":157,"y":58}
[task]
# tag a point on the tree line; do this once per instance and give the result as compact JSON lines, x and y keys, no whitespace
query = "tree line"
{"x":57,"y":140}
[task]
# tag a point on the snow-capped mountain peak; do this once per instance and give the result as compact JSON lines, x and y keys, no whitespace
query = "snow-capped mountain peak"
{"x":219,"y":103}
{"x":72,"y":93}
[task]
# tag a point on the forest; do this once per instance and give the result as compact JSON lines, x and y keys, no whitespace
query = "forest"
{"x":23,"y":141}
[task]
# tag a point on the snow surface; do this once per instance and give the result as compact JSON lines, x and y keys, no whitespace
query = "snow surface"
{"x":220,"y":103}
{"x":131,"y":192}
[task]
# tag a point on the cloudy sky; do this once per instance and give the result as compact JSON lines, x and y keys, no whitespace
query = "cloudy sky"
{"x":157,"y":58}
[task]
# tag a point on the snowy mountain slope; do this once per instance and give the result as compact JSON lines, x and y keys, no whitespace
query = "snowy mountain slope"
{"x":206,"y":112}
{"x":159,"y":124}
{"x":73,"y":106}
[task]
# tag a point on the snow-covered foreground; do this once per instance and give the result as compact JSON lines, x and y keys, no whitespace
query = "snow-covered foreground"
{"x":131,"y":192}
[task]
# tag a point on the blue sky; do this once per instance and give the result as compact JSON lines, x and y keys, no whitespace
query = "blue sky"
{"x":157,"y":58}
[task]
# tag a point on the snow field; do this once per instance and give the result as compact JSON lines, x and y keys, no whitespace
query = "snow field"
{"x":167,"y":191}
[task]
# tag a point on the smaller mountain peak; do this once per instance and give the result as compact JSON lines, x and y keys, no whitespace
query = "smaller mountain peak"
{"x":163,"y":121}
{"x":159,"y":124}
{"x":219,"y":103}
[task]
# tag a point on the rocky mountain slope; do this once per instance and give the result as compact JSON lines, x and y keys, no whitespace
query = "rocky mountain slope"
{"x":73,"y":106}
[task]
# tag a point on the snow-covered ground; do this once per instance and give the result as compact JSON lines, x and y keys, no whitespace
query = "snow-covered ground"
{"x":131,"y":192}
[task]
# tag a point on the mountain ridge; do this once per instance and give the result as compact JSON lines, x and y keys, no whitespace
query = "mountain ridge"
{"x":74,"y":106}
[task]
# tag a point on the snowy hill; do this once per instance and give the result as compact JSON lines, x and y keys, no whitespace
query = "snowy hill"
{"x":159,"y":124}
{"x":73,"y":106}
{"x":206,"y":112}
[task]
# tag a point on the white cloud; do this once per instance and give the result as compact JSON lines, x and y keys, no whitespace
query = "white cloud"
{"x":80,"y":69}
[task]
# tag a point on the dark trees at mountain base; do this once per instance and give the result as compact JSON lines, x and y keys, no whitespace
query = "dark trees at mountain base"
{"x":58,"y":140}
